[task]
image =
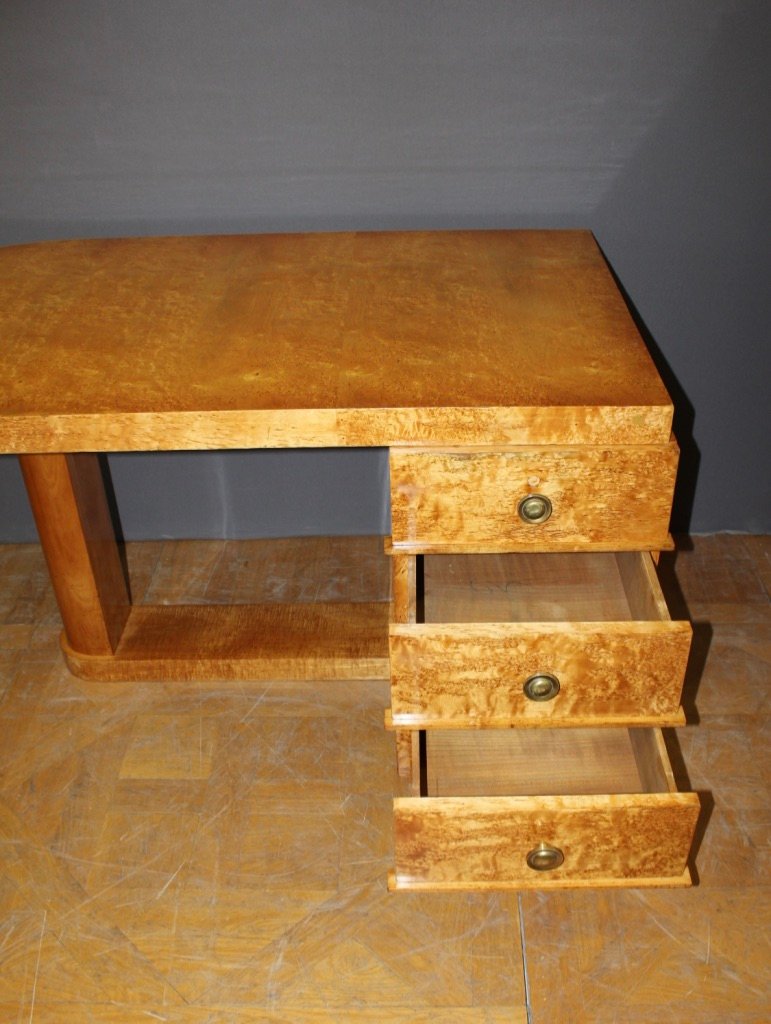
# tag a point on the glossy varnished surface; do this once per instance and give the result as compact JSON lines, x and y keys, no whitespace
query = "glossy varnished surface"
{"x":597,"y":622}
{"x":162,"y":857}
{"x":605,"y":798}
{"x":336,"y":339}
{"x":340,"y":640}
{"x":606,"y":499}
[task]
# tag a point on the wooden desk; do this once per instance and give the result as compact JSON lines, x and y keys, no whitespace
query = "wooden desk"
{"x":523,"y":416}
{"x":428,"y":339}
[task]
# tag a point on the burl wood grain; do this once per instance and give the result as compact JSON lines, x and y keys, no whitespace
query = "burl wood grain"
{"x":128,"y":893}
{"x":483,"y":842}
{"x":516,"y":337}
{"x":603,"y":498}
{"x":597,"y":621}
{"x":607,"y":799}
{"x":473,"y":674}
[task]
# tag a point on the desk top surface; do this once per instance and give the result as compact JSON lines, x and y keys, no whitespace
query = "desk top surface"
{"x":467,"y":337}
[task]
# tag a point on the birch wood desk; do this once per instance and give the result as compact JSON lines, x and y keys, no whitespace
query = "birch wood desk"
{"x":524,"y":421}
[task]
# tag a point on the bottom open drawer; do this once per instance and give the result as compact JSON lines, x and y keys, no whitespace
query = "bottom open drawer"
{"x":543,"y":809}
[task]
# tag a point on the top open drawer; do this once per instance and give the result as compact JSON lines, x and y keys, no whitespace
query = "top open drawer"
{"x":532,"y":499}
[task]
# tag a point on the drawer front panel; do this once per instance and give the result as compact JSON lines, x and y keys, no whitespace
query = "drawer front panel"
{"x":601,"y":498}
{"x":475,"y":674}
{"x":484,"y":842}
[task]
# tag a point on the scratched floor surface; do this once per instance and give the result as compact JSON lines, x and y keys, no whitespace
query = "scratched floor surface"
{"x":217,"y":852}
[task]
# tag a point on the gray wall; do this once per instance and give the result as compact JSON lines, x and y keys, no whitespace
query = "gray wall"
{"x":646,"y":122}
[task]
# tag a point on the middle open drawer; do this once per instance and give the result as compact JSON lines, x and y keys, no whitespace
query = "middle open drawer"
{"x":546,"y":639}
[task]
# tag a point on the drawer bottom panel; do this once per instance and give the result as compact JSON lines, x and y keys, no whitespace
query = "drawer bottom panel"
{"x":592,"y":808}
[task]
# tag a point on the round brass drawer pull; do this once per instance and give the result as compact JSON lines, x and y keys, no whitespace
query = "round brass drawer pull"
{"x":534,"y":508}
{"x":545,"y":858}
{"x":542,"y":686}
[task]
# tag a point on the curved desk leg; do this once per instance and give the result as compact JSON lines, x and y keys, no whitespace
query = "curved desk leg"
{"x":70,"y":506}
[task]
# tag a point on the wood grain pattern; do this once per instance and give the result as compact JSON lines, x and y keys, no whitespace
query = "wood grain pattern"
{"x":272,"y":868}
{"x":407,"y":756}
{"x":258,"y":893}
{"x":73,"y":519}
{"x":601,"y":625}
{"x":465,"y":337}
{"x":652,"y":760}
{"x":639,"y":579}
{"x":473,"y":675}
{"x":217,"y":852}
{"x":525,"y":587}
{"x":270,"y":641}
{"x":605,"y":798}
{"x":522,"y":762}
{"x":603,"y":498}
{"x":404,"y":609}
{"x":403,"y":586}
{"x":484,"y":841}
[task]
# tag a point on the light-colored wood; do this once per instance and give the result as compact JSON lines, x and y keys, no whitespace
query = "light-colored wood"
{"x":270,"y":641}
{"x":407,"y":756}
{"x":404,"y":609}
{"x":217,"y":852}
{"x":470,"y":337}
{"x":699,"y":956}
{"x":521,"y":762}
{"x":473,"y":674}
{"x":524,"y":587}
{"x":605,"y":798}
{"x":397,"y":883}
{"x":624,"y":665}
{"x":484,"y":841}
{"x":403,"y":586}
{"x":68,"y":500}
{"x":258,"y":893}
{"x":603,"y":498}
{"x":652,"y":760}
{"x":641,"y":585}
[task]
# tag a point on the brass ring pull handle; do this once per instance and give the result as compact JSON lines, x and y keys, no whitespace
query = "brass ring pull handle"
{"x":541,"y":686}
{"x":545,"y":858}
{"x":534,"y":509}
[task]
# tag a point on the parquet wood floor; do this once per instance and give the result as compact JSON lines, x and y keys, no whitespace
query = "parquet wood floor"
{"x":217,"y":852}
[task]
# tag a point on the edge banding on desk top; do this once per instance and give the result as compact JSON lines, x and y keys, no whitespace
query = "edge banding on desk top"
{"x":220,"y":430}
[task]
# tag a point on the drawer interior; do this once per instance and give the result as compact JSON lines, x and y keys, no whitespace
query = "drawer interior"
{"x":539,"y":762}
{"x":541,"y":587}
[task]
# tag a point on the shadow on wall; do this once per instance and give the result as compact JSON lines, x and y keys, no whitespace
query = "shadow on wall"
{"x":685,"y":227}
{"x":682,"y":422}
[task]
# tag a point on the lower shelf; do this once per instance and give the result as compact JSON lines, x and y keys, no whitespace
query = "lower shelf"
{"x":544,"y":809}
{"x":265,"y":641}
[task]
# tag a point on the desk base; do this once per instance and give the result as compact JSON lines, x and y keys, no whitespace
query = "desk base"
{"x":268,"y":641}
{"x":107,"y":637}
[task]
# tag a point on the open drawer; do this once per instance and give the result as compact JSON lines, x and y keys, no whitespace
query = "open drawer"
{"x":547,"y":639}
{"x":544,"y":809}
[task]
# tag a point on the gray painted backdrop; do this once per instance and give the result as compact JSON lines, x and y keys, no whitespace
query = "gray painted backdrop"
{"x":646,"y":122}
